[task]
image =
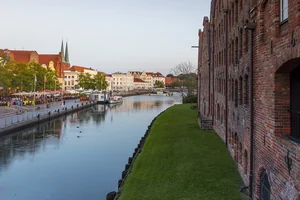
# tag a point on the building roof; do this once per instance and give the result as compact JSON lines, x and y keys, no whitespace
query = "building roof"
{"x":157,"y":74}
{"x":22,"y":56}
{"x":46,"y":58}
{"x":79,"y":68}
{"x":138,"y":80}
{"x":169,"y":80}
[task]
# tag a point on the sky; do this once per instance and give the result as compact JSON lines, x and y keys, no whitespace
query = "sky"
{"x":110,"y":36}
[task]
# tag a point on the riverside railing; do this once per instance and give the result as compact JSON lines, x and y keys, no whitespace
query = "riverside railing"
{"x":16,"y":120}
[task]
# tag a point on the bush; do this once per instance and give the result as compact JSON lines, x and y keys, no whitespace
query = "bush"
{"x":190,"y":99}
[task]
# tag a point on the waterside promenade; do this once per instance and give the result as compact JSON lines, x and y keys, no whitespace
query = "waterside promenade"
{"x":10,"y":120}
{"x":180,"y":161}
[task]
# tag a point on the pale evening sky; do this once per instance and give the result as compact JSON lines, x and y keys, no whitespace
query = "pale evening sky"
{"x":115,"y":35}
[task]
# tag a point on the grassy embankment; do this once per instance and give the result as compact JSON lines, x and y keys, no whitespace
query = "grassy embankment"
{"x":181,"y":162}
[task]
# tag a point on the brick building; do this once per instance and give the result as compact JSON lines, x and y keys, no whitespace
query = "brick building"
{"x":58,"y":62}
{"x":249,"y":88}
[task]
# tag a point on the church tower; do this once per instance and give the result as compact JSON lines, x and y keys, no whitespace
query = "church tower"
{"x":62,"y":54}
{"x":67,"y":54}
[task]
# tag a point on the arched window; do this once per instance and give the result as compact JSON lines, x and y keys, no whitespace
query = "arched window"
{"x":232,"y":90}
{"x":236,"y":50}
{"x":241,"y":90}
{"x":265,"y":189}
{"x":245,"y":162}
{"x":246,"y":41}
{"x":236,"y":140}
{"x":229,"y":96}
{"x":236,"y":92}
{"x":240,"y":153}
{"x":241,"y":43}
{"x":221,"y":115}
{"x":232,"y":52}
{"x":246,"y":85}
{"x":218,"y":112}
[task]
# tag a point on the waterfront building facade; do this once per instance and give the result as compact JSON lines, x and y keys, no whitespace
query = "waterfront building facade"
{"x":57,"y":62}
{"x":249,"y":83}
{"x":122,"y":81}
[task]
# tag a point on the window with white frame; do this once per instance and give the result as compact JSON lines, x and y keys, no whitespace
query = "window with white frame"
{"x":284,"y":10}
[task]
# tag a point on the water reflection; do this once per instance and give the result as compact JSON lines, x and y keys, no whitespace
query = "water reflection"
{"x":77,"y":156}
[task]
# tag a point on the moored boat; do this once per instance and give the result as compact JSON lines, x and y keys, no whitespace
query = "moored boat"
{"x":115,"y":99}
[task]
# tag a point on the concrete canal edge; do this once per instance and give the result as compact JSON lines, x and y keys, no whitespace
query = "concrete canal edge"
{"x":114,"y":195}
{"x":50,"y":116}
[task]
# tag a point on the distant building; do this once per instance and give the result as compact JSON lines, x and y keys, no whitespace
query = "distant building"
{"x":57,"y":62}
{"x":169,"y":81}
{"x":139,"y":84}
{"x":148,"y":77}
{"x":122,"y":81}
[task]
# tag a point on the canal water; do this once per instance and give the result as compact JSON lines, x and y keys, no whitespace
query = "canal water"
{"x":80,"y":156}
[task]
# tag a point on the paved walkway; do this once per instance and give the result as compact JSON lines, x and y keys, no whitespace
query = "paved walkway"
{"x":8,"y":115}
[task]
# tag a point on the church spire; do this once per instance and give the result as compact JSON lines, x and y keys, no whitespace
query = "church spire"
{"x":62,"y":51}
{"x":67,"y":54}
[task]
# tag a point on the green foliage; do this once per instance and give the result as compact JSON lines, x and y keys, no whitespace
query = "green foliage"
{"x":186,"y":73}
{"x":159,"y":84}
{"x":20,"y":77}
{"x":100,"y":82}
{"x":189,"y":99}
{"x":180,"y":161}
{"x":86,"y":81}
{"x":170,"y":75}
{"x":176,"y":84}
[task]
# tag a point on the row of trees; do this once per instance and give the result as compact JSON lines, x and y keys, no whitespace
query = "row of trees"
{"x":86,"y":81}
{"x":20,"y":77}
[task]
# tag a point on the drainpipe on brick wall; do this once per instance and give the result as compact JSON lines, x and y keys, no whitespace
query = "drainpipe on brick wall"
{"x":213,"y":73}
{"x":226,"y":77}
{"x":251,"y":27}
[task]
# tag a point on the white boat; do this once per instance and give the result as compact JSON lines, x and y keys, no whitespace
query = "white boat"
{"x":100,"y":97}
{"x":115,"y":99}
{"x":159,"y":92}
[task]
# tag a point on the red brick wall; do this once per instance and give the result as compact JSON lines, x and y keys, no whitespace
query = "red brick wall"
{"x":274,"y":59}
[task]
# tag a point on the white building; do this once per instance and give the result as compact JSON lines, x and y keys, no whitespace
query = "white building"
{"x":149,"y":78}
{"x":122,"y":81}
{"x":139,"y":84}
{"x":71,"y":76}
{"x":108,"y":79}
{"x":158,"y":77}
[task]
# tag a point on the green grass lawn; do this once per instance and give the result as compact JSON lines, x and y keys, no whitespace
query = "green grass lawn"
{"x":181,"y":162}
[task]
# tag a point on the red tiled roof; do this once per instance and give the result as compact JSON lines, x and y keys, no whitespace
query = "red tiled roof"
{"x":22,"y":56}
{"x":79,"y":68}
{"x":157,"y":74}
{"x":149,"y":73}
{"x":138,"y":80}
{"x":46,"y":58}
{"x":169,"y":80}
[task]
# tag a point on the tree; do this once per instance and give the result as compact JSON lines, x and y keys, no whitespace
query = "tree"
{"x":159,"y":84}
{"x":170,"y":75}
{"x":186,"y":72}
{"x":176,"y":84}
{"x":100,"y":82}
{"x":85,"y":81}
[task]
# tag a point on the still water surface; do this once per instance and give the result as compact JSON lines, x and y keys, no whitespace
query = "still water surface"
{"x":77,"y":157}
